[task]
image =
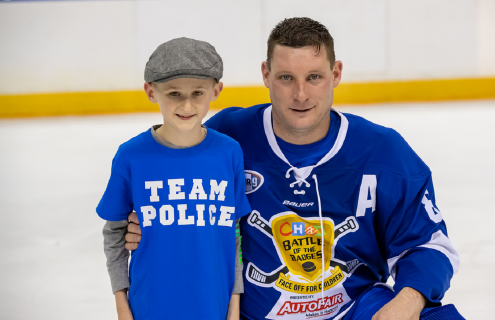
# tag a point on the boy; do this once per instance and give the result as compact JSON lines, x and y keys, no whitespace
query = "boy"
{"x":186,"y":183}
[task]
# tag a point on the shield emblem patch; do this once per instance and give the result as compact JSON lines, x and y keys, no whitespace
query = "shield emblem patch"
{"x":299,"y":243}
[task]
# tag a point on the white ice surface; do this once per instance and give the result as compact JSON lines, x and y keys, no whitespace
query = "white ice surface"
{"x":53,"y":172}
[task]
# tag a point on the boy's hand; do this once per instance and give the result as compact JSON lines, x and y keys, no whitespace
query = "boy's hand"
{"x":133,"y":235}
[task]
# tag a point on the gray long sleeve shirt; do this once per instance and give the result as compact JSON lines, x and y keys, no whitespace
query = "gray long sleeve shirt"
{"x":118,"y":256}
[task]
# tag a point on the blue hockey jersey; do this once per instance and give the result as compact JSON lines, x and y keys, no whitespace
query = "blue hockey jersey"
{"x":319,"y":236}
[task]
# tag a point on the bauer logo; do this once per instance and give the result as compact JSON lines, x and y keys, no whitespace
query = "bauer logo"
{"x":254,"y":180}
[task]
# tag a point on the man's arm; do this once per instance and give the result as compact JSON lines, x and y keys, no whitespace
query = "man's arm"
{"x":421,"y":258}
{"x":407,"y":305}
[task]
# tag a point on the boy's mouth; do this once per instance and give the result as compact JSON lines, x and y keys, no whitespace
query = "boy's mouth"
{"x":183,"y":117}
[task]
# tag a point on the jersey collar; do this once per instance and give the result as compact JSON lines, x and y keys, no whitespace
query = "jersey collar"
{"x":270,"y":135}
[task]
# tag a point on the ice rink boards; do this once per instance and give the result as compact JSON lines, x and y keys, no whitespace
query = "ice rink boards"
{"x":53,"y":172}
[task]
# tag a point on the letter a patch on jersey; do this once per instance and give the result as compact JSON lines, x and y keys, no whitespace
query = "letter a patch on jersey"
{"x":367,"y":195}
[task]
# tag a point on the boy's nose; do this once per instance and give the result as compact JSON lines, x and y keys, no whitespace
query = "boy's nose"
{"x":187,"y":105}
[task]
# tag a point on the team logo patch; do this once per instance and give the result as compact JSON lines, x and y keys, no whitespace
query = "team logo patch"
{"x":254,"y":180}
{"x":300,"y":244}
{"x":303,"y":275}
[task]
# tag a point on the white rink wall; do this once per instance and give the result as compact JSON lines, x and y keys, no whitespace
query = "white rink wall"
{"x":70,"y":46}
{"x":53,"y":172}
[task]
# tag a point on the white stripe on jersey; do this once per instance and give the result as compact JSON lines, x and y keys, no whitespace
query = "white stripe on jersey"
{"x":438,"y":242}
{"x":441,"y":243}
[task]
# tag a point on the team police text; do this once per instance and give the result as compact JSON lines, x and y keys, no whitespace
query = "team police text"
{"x":167,"y":211}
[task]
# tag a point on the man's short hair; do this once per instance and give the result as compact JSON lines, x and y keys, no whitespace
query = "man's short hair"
{"x":300,"y":32}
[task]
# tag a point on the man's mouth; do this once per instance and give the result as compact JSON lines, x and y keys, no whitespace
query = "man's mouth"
{"x":302,"y":110}
{"x":185,"y":117}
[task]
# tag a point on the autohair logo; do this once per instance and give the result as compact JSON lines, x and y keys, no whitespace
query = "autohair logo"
{"x":319,"y":305}
{"x":254,"y":180}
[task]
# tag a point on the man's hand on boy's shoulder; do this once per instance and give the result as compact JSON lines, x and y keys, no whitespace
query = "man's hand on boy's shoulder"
{"x":133,"y":235}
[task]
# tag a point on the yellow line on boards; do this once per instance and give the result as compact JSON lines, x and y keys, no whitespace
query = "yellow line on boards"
{"x":87,"y":103}
{"x":74,"y":103}
{"x":415,"y":91}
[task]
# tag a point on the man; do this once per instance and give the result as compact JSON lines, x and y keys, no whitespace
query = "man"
{"x":339,"y":203}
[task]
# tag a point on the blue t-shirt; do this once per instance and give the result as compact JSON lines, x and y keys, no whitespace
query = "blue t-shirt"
{"x":309,"y":154}
{"x":187,"y":201}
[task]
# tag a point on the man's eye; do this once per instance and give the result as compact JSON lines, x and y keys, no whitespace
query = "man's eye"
{"x":314,"y":77}
{"x":286,"y":77}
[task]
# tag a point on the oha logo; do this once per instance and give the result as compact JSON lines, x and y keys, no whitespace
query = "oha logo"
{"x":299,"y":229}
{"x":254,"y":180}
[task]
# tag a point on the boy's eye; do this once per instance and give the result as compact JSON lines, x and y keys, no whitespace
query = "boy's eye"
{"x":314,"y":77}
{"x":286,"y":77}
{"x":174,"y":94}
{"x":197,"y":93}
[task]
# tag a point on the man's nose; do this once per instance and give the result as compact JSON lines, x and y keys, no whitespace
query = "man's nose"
{"x":299,"y":93}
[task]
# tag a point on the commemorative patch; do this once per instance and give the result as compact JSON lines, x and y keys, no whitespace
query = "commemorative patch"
{"x":309,"y":286}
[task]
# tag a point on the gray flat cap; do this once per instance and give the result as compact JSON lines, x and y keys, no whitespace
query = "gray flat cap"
{"x":183,"y":58}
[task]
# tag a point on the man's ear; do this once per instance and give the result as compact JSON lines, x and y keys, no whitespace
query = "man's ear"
{"x":337,"y":73}
{"x":265,"y":71}
{"x":148,"y":88}
{"x":216,"y":91}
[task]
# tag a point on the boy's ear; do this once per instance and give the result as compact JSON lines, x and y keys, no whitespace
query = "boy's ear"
{"x":148,"y":88}
{"x":216,"y":91}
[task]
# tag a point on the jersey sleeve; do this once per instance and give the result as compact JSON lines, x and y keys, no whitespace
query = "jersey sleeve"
{"x":116,"y":203}
{"x":223,"y":122}
{"x":242,"y":206}
{"x":419,"y":252}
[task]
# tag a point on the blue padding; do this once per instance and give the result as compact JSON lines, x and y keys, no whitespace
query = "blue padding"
{"x":376,"y":297}
{"x":448,"y":312}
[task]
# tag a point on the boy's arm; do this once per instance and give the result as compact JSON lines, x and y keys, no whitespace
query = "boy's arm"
{"x":234,"y":309}
{"x":116,"y":253}
{"x":123,"y":310}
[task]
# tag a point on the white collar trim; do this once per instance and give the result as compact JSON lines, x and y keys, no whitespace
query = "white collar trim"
{"x":270,"y":135}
